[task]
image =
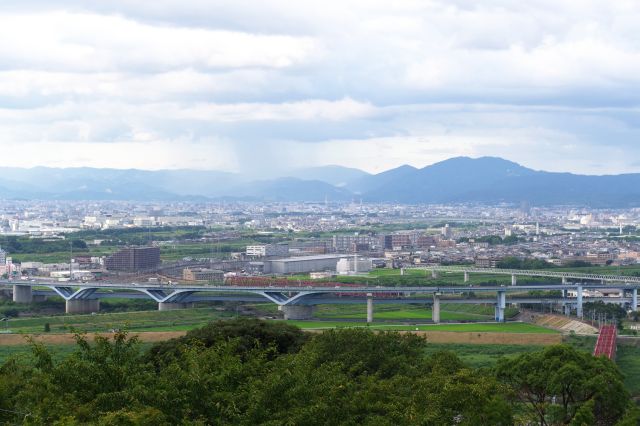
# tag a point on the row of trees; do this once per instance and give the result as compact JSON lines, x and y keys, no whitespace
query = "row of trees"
{"x":248,"y":372}
{"x":23,"y":245}
{"x":492,"y":240}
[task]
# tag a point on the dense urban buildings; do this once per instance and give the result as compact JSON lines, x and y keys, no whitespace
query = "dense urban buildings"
{"x":257,"y":238}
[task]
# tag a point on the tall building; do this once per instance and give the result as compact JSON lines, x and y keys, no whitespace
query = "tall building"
{"x":133,"y":259}
{"x":446,"y":231}
{"x":3,"y":257}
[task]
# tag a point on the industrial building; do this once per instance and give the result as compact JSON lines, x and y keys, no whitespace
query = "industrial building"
{"x":202,"y":274}
{"x":302,"y":264}
{"x":353,"y":265}
{"x":345,"y":243}
{"x":268,"y":250}
{"x":132,"y":259}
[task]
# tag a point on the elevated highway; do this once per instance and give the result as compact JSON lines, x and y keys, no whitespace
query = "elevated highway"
{"x":297,"y":301}
{"x":514,"y":273}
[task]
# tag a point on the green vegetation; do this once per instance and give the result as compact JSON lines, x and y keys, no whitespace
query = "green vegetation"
{"x":183,"y":319}
{"x":517,"y":263}
{"x":628,"y":359}
{"x":587,"y":390}
{"x":480,"y":356}
{"x":249,"y":372}
{"x":493,"y":240}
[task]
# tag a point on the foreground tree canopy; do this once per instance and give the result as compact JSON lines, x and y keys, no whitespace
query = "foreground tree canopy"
{"x":249,"y":372}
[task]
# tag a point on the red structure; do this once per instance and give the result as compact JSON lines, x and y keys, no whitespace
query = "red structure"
{"x":283,"y":282}
{"x":606,"y":344}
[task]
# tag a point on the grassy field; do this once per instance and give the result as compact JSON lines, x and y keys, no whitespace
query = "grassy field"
{"x":24,"y":352}
{"x":393,"y":312}
{"x":480,"y":356}
{"x":183,"y":319}
{"x":515,"y":327}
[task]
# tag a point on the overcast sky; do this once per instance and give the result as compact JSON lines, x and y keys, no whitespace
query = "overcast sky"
{"x":245,"y":85}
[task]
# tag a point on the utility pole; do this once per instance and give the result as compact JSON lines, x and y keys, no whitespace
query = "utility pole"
{"x":71,"y":261}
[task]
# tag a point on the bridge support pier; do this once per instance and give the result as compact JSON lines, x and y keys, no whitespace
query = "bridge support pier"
{"x":297,"y":312}
{"x":564,"y":280}
{"x":171,"y":306}
{"x":634,"y":300}
{"x":466,"y":276}
{"x":369,"y":308}
{"x":514,"y":280}
{"x":82,"y":306}
{"x":434,"y":273}
{"x":435,"y":312}
{"x":22,"y":294}
{"x":579,"y":302}
{"x":501,"y":304}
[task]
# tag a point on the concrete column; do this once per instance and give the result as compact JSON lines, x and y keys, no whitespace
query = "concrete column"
{"x":369,"y":308}
{"x":435,"y":312}
{"x":434,"y":273}
{"x":169,"y":306}
{"x":634,"y":300}
{"x":579,"y":302}
{"x":564,"y":280}
{"x":401,"y":271}
{"x":501,"y":304}
{"x":22,"y":294}
{"x":82,"y":306}
{"x":297,"y":312}
{"x":514,"y":280}
{"x":466,"y":276}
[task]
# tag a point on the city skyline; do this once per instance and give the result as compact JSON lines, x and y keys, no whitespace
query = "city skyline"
{"x":244,"y":87}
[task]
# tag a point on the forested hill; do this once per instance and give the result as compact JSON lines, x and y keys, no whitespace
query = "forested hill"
{"x":249,"y":372}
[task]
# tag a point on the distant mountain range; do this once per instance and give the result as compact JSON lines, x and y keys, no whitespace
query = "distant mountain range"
{"x":461,"y":179}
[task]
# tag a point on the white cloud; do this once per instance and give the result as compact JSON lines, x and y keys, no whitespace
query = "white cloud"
{"x":92,"y":42}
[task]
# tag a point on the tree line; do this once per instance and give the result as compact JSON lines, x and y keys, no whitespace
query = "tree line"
{"x":250,"y":372}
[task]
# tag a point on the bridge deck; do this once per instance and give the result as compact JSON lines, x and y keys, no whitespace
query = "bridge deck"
{"x":533,"y":273}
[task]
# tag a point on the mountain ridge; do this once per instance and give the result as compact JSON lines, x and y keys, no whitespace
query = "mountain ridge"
{"x":458,"y":179}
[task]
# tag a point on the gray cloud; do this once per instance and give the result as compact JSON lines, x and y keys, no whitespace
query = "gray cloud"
{"x":259,"y":85}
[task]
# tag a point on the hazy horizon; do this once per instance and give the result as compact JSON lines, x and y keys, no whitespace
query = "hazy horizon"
{"x":283,"y":172}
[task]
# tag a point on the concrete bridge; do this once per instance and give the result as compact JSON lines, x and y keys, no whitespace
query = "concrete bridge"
{"x":297,"y":302}
{"x":565,"y":277}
